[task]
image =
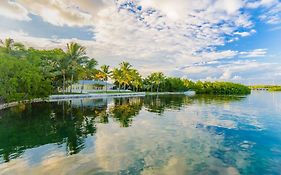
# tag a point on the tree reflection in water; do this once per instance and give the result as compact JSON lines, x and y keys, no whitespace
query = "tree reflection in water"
{"x":159,"y":103}
{"x":70,"y":122}
{"x":125,"y":109}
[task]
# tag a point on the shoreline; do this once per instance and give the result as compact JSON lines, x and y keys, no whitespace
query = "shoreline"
{"x":15,"y":103}
{"x":164,"y":93}
{"x":52,"y":98}
{"x":93,"y":96}
{"x":62,"y":97}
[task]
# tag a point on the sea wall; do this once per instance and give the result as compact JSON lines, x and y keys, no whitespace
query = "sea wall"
{"x":104,"y":95}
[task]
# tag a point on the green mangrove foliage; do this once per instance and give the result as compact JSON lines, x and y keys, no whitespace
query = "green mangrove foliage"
{"x":269,"y":87}
{"x":223,"y":88}
{"x":27,"y":73}
{"x":21,"y":79}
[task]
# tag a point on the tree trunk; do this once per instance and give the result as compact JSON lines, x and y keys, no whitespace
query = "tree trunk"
{"x":105,"y":86}
{"x":158,"y":88}
{"x":119,"y":87}
{"x":63,"y":110}
{"x":82,"y":88}
{"x":63,"y":83}
{"x":71,"y":83}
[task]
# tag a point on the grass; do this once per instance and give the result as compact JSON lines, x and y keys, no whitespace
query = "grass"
{"x":96,"y":92}
{"x":111,"y":92}
{"x":66,"y":93}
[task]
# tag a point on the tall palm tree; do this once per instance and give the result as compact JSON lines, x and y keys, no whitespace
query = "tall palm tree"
{"x":117,"y":77}
{"x":136,"y":79}
{"x":106,"y":72}
{"x":89,"y":69}
{"x":156,"y":78}
{"x":62,"y":68}
{"x":126,"y":68}
{"x":7,"y":44}
{"x":76,"y":55}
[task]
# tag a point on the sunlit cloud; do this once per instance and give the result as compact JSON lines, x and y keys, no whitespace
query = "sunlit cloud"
{"x":152,"y":35}
{"x":13,"y":10}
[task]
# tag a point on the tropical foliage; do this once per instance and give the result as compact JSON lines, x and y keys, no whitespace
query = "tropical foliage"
{"x":268,"y":87}
{"x":224,"y":88}
{"x":27,"y":73}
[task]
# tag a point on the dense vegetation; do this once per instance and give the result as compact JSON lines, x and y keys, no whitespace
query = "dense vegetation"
{"x":27,"y":73}
{"x":225,"y":88}
{"x":269,"y":87}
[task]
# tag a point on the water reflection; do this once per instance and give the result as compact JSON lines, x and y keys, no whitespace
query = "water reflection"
{"x":125,"y":109}
{"x":32,"y":125}
{"x":198,"y":135}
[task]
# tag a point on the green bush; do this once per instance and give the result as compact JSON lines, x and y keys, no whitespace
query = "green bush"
{"x":223,"y":88}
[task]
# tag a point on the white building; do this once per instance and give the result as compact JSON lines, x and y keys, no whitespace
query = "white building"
{"x":87,"y":86}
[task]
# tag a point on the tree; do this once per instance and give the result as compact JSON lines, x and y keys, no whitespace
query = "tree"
{"x":7,"y":44}
{"x":88,"y":71}
{"x":19,"y":46}
{"x":126,"y":69}
{"x":117,"y":77}
{"x":136,"y":79}
{"x":21,"y":80}
{"x":76,"y":56}
{"x":156,"y":79}
{"x":106,"y":73}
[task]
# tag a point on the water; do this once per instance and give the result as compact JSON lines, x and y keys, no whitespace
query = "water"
{"x":171,"y":134}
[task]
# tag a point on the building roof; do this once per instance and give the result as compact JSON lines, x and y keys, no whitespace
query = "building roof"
{"x":94,"y":82}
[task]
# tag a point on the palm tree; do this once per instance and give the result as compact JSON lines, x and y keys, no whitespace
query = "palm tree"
{"x":136,"y":79}
{"x":76,"y":55}
{"x":19,"y":46}
{"x":156,"y":78}
{"x":7,"y":44}
{"x":126,"y":68}
{"x":88,"y":71}
{"x":10,"y":45}
{"x":62,"y":67}
{"x":117,"y":77}
{"x":106,"y":72}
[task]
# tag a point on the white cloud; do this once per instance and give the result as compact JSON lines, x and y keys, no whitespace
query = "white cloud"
{"x":14,"y":10}
{"x":244,"y":34}
{"x":226,"y":75}
{"x":159,"y":36}
{"x":260,"y":3}
{"x":254,"y":54}
{"x":273,"y":15}
{"x":57,"y":12}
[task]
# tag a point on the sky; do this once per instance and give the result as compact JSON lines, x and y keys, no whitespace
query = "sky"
{"x":213,"y":40}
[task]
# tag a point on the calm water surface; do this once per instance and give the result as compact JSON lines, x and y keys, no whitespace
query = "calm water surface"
{"x":171,"y":134}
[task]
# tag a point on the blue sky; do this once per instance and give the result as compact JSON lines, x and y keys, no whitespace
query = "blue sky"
{"x":215,"y":40}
